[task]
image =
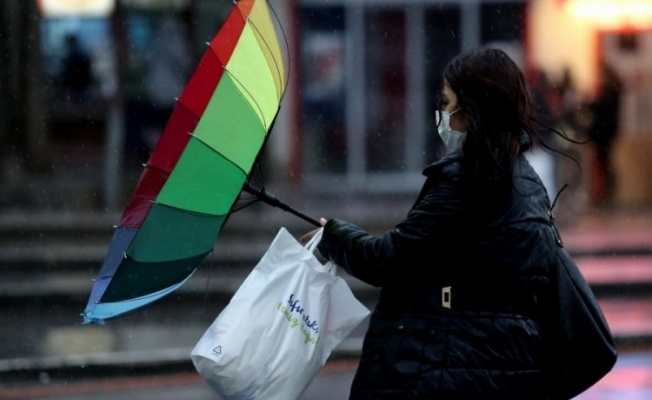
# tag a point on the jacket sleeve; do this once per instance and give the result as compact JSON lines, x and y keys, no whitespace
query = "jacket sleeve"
{"x":424,"y":234}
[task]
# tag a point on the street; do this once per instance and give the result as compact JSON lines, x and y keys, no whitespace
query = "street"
{"x":631,"y":379}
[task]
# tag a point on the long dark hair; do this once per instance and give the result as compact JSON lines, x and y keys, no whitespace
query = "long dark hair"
{"x":494,"y":98}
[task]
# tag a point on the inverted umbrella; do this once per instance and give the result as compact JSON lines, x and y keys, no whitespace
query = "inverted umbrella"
{"x":199,"y":167}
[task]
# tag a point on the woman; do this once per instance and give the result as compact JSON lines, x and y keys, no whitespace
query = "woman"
{"x":462,"y":275}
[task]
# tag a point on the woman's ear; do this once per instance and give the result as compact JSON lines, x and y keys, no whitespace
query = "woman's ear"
{"x":458,"y":122}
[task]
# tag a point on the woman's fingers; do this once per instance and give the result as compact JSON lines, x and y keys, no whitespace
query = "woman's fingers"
{"x":305,"y":238}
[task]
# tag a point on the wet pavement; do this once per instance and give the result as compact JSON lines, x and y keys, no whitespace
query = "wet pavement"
{"x":613,"y":249}
{"x":631,"y":379}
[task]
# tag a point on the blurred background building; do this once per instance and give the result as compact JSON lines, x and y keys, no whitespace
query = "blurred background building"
{"x":358,"y":116}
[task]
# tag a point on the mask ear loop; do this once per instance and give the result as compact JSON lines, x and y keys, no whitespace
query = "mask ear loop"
{"x":451,"y":113}
{"x":440,"y":115}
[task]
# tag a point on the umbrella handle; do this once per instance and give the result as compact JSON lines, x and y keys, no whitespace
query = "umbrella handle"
{"x":272,"y":200}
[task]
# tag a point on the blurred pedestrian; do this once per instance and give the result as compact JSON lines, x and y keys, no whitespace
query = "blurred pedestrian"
{"x":464,"y":277}
{"x":76,"y":69}
{"x":572,"y":111}
{"x":605,"y":111}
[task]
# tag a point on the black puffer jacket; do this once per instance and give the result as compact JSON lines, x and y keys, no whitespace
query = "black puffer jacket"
{"x":458,"y":314}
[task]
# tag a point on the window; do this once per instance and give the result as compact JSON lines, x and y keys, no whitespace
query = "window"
{"x":370,"y":82}
{"x":385,"y":90}
{"x":323,"y":90}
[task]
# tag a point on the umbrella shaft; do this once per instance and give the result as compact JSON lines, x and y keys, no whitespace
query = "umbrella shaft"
{"x":270,"y":199}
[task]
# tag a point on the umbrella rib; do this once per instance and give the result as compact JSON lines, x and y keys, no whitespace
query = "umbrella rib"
{"x":260,"y":110}
{"x":218,"y":153}
{"x":255,"y":181}
{"x":205,"y":253}
{"x":185,"y":210}
{"x":287,"y":49}
{"x":276,"y":62}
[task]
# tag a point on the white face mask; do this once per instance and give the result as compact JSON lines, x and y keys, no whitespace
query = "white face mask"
{"x":451,"y":138}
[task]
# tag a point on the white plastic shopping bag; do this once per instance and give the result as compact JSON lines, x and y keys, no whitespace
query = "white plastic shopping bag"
{"x":280,"y":327}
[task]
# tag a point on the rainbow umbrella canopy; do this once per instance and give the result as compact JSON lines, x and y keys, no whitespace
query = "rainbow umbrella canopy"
{"x":198,"y":168}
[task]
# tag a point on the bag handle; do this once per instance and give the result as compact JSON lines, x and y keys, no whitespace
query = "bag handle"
{"x":311,"y":246}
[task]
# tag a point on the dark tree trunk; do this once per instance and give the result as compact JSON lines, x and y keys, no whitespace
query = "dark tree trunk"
{"x":23,"y":124}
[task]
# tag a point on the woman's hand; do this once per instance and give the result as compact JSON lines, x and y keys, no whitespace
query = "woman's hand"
{"x":305,"y":238}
